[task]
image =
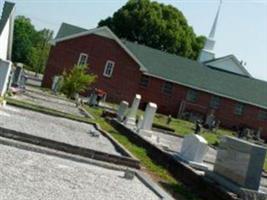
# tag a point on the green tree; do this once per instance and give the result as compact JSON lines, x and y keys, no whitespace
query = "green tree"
{"x":39,"y":53}
{"x":30,"y":46}
{"x":77,"y":80}
{"x":24,"y":36}
{"x":156,"y":25}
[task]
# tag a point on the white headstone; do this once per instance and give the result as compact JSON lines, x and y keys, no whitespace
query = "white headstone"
{"x":131,"y":118}
{"x":54,"y":83}
{"x":194,"y":148}
{"x":150,"y":112}
{"x":122,"y":110}
{"x":140,"y":121}
{"x":5,"y":69}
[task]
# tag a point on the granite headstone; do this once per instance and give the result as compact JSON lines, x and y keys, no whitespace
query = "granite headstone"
{"x":240,"y":161}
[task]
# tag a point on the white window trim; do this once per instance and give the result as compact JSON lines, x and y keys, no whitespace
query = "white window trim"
{"x":82,"y":54}
{"x":106,"y":66}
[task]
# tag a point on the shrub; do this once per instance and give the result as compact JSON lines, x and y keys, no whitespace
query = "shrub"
{"x":76,"y":80}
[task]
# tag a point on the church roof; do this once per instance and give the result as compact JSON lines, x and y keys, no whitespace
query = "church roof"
{"x":196,"y":75}
{"x":68,"y":29}
{"x":7,"y":10}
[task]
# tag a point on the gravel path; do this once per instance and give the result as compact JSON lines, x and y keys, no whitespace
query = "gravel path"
{"x":27,"y":175}
{"x":55,"y":128}
{"x":36,"y":96}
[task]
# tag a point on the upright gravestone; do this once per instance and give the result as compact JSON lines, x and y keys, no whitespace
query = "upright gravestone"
{"x":194,"y":148}
{"x":5,"y":69}
{"x":17,"y":74}
{"x":149,"y":115}
{"x":131,"y":118}
{"x":93,"y":99}
{"x":10,"y":78}
{"x":122,"y":110}
{"x":240,"y":163}
{"x":55,"y":84}
{"x":140,"y":121}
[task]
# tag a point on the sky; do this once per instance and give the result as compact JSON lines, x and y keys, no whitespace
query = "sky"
{"x":242,"y":26}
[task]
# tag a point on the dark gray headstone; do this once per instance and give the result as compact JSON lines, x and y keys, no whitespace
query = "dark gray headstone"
{"x":17,"y":74}
{"x":252,"y":195}
{"x":240,"y":162}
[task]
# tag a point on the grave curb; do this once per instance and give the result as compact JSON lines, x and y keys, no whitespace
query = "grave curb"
{"x":52,"y":152}
{"x":153,"y":186}
{"x":68,"y":148}
{"x":117,"y":145}
{"x":76,"y":158}
{"x":181,"y":172}
{"x":87,"y":114}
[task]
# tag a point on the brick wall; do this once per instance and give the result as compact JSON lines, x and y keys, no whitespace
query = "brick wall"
{"x":170,"y":104}
{"x":124,"y":83}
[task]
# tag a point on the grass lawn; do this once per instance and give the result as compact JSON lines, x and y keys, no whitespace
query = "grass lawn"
{"x":159,"y":173}
{"x":183,"y":128}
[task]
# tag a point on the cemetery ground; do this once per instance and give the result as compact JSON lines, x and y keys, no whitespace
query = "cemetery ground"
{"x":159,"y":173}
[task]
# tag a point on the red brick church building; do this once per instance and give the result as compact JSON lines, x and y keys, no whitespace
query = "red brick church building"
{"x":179,"y":86}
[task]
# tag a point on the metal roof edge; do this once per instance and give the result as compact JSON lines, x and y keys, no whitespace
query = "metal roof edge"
{"x":208,"y":91}
{"x":91,"y":31}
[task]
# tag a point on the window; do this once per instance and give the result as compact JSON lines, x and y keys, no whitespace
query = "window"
{"x":83,"y":59}
{"x":109,"y":68}
{"x":215,"y":102}
{"x":239,"y":109}
{"x":144,"y":80}
{"x":262,"y":115}
{"x":167,"y":87}
{"x":192,"y":95}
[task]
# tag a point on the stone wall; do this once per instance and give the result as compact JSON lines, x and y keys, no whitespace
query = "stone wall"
{"x":60,"y":146}
{"x":203,"y":186}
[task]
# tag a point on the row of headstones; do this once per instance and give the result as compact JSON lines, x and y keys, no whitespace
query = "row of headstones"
{"x":237,"y":160}
{"x":56,"y":84}
{"x":194,"y":147}
{"x":128,"y":115}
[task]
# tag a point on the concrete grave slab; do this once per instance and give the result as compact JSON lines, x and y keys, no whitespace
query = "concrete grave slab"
{"x":29,"y":174}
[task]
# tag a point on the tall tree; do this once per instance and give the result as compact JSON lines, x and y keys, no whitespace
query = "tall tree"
{"x":156,"y":25}
{"x":30,"y":46}
{"x":24,"y":35}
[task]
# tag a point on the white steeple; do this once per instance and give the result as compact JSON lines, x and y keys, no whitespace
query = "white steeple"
{"x":207,"y":52}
